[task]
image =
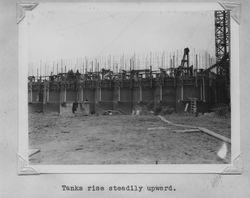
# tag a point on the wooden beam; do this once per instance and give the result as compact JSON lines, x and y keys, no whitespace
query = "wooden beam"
{"x":33,"y":152}
{"x":187,"y":131}
{"x":216,"y":135}
{"x":156,"y":128}
{"x":204,"y":130}
{"x":179,"y":125}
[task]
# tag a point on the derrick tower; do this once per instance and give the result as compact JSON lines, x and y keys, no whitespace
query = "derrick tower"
{"x":222,"y":33}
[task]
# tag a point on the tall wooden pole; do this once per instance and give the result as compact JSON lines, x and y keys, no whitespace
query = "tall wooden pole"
{"x":40,"y":68}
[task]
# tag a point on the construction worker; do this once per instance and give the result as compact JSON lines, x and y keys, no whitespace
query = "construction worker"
{"x":74,"y":107}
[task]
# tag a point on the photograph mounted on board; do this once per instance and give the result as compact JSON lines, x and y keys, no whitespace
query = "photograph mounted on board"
{"x":127,"y":86}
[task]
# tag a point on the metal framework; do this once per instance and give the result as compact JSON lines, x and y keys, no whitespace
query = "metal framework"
{"x":222,"y":33}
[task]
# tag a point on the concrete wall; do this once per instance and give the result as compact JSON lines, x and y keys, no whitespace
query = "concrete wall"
{"x":190,"y":91}
{"x":54,"y":96}
{"x":125,"y":98}
{"x":136,"y":94}
{"x":169,"y":95}
{"x":124,"y":107}
{"x":157,"y":94}
{"x":122,"y":100}
{"x":51,"y":107}
{"x":35,"y":96}
{"x":89,"y":94}
{"x":147,"y":94}
{"x":35,"y":107}
{"x":65,"y":109}
{"x":107,"y":94}
{"x":125,"y":95}
{"x":71,"y":95}
{"x":43,"y":108}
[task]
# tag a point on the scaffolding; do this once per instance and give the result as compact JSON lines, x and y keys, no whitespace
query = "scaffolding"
{"x":222,"y":33}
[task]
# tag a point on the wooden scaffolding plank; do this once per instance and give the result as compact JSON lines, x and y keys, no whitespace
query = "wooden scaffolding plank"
{"x":202,"y":129}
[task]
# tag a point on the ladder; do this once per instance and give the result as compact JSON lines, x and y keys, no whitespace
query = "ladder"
{"x":193,"y":105}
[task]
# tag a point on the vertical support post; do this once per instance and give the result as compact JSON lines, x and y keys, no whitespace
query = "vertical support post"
{"x":61,"y":94}
{"x":81,"y":95}
{"x":44,"y":93}
{"x":204,"y":89}
{"x":119,"y":94}
{"x":196,"y":61}
{"x":174,"y":61}
{"x":37,"y":96}
{"x":160,"y":92}
{"x":140,"y":93}
{"x":31,"y":97}
{"x":65,"y":95}
{"x":201,"y":92}
{"x":100,"y":94}
{"x":182,"y":97}
{"x":77,"y":96}
{"x":47,"y":88}
{"x":215,"y":94}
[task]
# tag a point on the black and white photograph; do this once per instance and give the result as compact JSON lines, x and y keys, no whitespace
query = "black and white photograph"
{"x":128,"y":86}
{"x":124,"y":98}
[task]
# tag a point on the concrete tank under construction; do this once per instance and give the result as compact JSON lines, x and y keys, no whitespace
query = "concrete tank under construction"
{"x":181,"y":88}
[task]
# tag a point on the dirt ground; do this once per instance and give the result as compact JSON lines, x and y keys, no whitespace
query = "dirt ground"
{"x":124,"y":139}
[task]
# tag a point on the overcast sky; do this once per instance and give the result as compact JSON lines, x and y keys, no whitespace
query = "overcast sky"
{"x":70,"y":31}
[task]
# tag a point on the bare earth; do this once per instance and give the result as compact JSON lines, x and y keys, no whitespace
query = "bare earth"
{"x":124,"y":139}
